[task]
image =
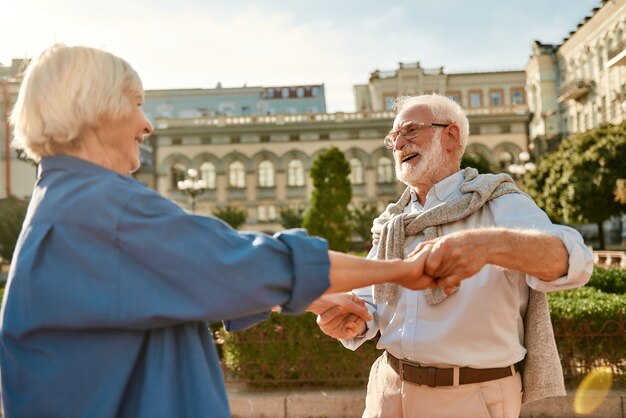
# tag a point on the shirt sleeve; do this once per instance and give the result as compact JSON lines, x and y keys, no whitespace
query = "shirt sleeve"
{"x":365,"y":293}
{"x":520,"y":212}
{"x":175,"y":266}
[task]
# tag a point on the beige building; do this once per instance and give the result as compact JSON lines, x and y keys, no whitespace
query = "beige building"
{"x":261,"y":162}
{"x":16,"y":176}
{"x":494,"y":101}
{"x":581,"y":83}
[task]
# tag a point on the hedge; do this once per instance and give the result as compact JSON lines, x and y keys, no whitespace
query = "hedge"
{"x":291,"y":351}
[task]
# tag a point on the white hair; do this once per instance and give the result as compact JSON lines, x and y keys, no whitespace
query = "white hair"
{"x":443,"y":109}
{"x":66,"y":89}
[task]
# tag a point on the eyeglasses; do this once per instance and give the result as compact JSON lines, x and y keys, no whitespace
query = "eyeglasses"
{"x":410,"y":131}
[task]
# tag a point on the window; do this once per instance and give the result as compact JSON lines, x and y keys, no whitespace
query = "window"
{"x":356,"y":171}
{"x":266,"y":213}
{"x":285,"y":92}
{"x":495,"y":97}
{"x":207,"y":173}
{"x":476,"y":98}
{"x":237,"y":175}
{"x":266,"y":174}
{"x":177,"y":173}
{"x":271,"y":212}
{"x":517,"y":96}
{"x":455,"y":96}
{"x":389,"y":99}
{"x":295,"y":173}
{"x":384,"y":170}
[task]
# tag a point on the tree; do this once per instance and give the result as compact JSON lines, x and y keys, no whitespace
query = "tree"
{"x":362,"y":218}
{"x":577,"y":183}
{"x":12,"y":213}
{"x":291,"y":218}
{"x":477,"y":161}
{"x":620,"y":191}
{"x":233,"y":216}
{"x":328,"y":216}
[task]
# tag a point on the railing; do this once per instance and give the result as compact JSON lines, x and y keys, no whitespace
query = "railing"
{"x":574,"y":89}
{"x":338,"y":117}
{"x":281,"y":119}
{"x":610,"y":259}
{"x":585,"y":345}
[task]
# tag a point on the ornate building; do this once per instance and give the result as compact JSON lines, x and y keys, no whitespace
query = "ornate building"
{"x":581,"y":83}
{"x":495,"y":102}
{"x":261,"y":162}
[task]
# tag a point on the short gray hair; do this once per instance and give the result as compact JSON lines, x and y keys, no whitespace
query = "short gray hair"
{"x":443,"y":108}
{"x":66,"y":89}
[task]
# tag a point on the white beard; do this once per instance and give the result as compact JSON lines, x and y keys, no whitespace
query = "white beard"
{"x":429,"y":164}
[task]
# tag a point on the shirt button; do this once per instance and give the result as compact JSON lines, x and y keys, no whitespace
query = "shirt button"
{"x":411,"y":320}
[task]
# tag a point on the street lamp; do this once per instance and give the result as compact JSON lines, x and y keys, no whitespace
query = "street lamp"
{"x":526,"y":165}
{"x":192,"y":186}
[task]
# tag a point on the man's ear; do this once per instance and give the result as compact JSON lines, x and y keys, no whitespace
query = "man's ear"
{"x":452,"y":139}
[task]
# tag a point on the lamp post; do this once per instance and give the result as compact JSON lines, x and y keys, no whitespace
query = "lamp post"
{"x":518,"y":170}
{"x":192,"y":186}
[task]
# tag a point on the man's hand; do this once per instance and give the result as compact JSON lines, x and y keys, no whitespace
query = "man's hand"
{"x":417,"y":277}
{"x":341,"y":304}
{"x":455,"y":257}
{"x":337,"y":324}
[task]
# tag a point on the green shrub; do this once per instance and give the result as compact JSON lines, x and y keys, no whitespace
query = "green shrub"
{"x":586,"y":304}
{"x":589,"y":330}
{"x":288,"y":351}
{"x":612,"y":280}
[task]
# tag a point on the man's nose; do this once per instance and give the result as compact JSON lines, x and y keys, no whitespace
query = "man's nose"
{"x":400,"y":142}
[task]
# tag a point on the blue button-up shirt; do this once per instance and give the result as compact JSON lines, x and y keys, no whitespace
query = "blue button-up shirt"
{"x":110,"y":291}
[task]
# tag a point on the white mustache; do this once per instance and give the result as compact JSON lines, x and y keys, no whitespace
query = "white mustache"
{"x":409,"y":149}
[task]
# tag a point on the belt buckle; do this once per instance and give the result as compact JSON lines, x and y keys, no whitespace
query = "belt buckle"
{"x":430,"y":372}
{"x":401,"y":368}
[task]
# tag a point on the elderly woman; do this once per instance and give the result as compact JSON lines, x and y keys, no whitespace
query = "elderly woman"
{"x":111,"y":286}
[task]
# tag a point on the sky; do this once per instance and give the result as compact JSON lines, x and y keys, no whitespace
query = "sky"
{"x":198,"y":43}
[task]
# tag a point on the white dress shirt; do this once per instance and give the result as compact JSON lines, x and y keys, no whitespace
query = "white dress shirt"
{"x":480,"y":325}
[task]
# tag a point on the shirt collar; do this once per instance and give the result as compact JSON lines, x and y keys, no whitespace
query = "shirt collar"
{"x":67,"y":162}
{"x":442,"y":190}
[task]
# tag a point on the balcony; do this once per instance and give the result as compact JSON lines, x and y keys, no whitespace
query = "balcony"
{"x":617,"y":55}
{"x":574,"y":90}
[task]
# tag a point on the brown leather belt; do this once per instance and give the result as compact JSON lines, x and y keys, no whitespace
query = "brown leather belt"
{"x":433,"y":376}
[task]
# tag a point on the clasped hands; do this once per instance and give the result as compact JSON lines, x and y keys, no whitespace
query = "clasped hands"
{"x":442,"y":262}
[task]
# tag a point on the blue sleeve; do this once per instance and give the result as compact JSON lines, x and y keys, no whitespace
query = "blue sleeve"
{"x":175,"y":267}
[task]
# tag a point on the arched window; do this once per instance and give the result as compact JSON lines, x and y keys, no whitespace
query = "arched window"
{"x":237,"y":175}
{"x":295,"y":173}
{"x":207,"y":173}
{"x":177,"y":173}
{"x":384,"y":170}
{"x":356,"y":171}
{"x":266,"y":174}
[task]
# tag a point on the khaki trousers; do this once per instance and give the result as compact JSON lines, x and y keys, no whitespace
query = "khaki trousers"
{"x":389,"y":397}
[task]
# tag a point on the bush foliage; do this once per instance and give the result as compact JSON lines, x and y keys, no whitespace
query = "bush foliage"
{"x":291,"y":351}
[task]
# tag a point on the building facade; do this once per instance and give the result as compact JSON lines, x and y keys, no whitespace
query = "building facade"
{"x":581,"y":83}
{"x":234,"y":101}
{"x":17,"y":176}
{"x":498,"y":97}
{"x":261,"y":162}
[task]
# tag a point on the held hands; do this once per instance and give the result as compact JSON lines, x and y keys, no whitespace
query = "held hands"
{"x":417,"y":277}
{"x":455,"y":257}
{"x":341,"y":315}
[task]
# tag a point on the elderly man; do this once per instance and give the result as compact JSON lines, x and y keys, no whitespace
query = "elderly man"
{"x":457,"y":351}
